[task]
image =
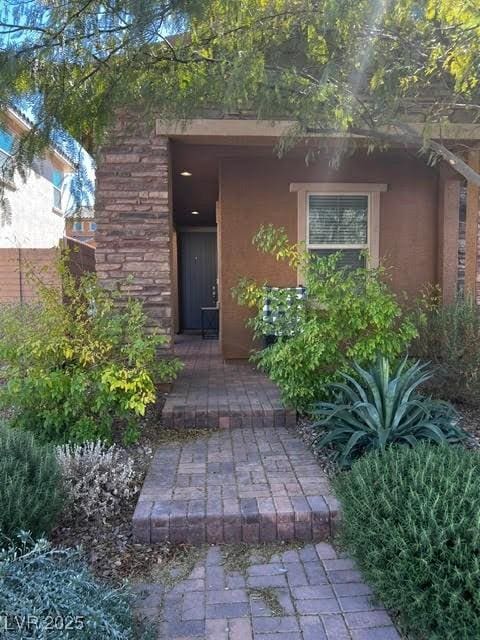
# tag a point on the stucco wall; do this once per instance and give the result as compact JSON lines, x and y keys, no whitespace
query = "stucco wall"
{"x":255,"y":191}
{"x":30,"y":221}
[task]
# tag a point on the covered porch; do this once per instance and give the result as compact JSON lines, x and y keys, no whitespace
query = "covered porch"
{"x":177,"y":208}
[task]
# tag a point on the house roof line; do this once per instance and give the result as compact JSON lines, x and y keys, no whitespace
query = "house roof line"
{"x":223,"y":127}
{"x":28,"y":124}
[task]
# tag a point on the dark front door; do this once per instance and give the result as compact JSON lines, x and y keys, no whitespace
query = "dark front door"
{"x":198,"y":275}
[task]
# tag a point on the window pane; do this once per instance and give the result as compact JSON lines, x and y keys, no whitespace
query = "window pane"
{"x":6,"y":167}
{"x":4,"y":158}
{"x":338,"y":219}
{"x":352,"y":258}
{"x":6,"y":141}
{"x":93,"y":226}
{"x":57,"y":198}
{"x":57,"y":178}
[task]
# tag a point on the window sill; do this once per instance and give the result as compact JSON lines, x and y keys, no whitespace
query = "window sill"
{"x":57,"y":212}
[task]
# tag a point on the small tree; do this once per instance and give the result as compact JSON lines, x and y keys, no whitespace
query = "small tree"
{"x":75,"y":363}
{"x":365,"y":69}
{"x":349,"y":314}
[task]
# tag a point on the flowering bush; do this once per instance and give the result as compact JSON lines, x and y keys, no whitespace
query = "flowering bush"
{"x":76,"y":364}
{"x":98,"y":479}
{"x":348,"y":314}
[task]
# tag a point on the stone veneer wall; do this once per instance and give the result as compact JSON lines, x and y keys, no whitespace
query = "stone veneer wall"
{"x":133,"y":217}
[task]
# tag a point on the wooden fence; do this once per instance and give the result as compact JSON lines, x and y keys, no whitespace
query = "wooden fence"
{"x":81,"y":256}
{"x":21,"y":270}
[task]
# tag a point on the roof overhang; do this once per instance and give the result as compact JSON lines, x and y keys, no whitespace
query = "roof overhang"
{"x":21,"y":124}
{"x":230,"y":129}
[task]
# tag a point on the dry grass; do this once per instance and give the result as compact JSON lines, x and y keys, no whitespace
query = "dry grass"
{"x":239,"y":557}
{"x":175,"y":567}
{"x":269,"y":596}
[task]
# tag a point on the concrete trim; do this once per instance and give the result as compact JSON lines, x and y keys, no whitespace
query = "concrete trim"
{"x":339,"y":187}
{"x":219,"y":127}
{"x":223,"y":127}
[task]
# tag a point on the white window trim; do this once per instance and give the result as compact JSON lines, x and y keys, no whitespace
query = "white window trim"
{"x":5,"y":179}
{"x":371,"y":190}
{"x":59,"y":191}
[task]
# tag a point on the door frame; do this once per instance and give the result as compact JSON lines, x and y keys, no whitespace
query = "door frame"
{"x":178,"y":231}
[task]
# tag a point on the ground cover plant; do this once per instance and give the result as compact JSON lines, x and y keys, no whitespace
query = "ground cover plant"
{"x":449,"y":337}
{"x":31,"y":492}
{"x":76,"y":364}
{"x":52,"y":594}
{"x":376,"y":407}
{"x":349,"y":314}
{"x":411,"y":518}
{"x":99,"y":480}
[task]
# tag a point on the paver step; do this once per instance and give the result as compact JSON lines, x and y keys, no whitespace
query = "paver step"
{"x":252,"y":484}
{"x":210,"y":392}
{"x":201,"y":417}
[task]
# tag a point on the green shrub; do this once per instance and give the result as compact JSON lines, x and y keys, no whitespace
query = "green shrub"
{"x":53,"y":593}
{"x":411,"y":518}
{"x":31,"y":495}
{"x":450,"y":338}
{"x":76,"y":364}
{"x":375,"y":408}
{"x":349,"y":314}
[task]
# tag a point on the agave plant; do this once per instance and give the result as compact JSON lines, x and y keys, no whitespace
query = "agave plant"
{"x":378,"y":407}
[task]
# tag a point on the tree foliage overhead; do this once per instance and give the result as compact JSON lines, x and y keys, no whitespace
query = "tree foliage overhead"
{"x":368,"y":67}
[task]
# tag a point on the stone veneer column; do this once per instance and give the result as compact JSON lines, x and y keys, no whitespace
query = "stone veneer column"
{"x":133,"y":215}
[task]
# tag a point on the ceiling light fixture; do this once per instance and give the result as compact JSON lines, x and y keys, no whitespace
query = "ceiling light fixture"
{"x":195,"y":213}
{"x":187,"y":174}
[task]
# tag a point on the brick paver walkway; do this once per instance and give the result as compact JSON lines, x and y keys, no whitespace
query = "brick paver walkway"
{"x":257,"y":484}
{"x":212,"y":393}
{"x":318,"y":595}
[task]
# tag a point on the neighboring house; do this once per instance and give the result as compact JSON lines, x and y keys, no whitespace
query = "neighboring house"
{"x":31,"y":212}
{"x":81,"y":225}
{"x":33,"y":215}
{"x":177,"y":208}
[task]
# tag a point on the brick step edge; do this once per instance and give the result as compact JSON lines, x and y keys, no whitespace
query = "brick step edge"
{"x":157,"y":522}
{"x":228,"y":420}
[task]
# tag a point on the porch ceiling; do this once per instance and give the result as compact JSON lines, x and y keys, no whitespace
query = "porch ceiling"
{"x":197,"y":192}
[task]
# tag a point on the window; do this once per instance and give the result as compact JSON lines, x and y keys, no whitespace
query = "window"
{"x":78,"y":226}
{"x":57,"y":181}
{"x":93,"y":226}
{"x":338,"y":223}
{"x":7,"y":141}
{"x":340,"y":217}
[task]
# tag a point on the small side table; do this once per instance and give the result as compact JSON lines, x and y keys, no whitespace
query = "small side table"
{"x":209,"y":322}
